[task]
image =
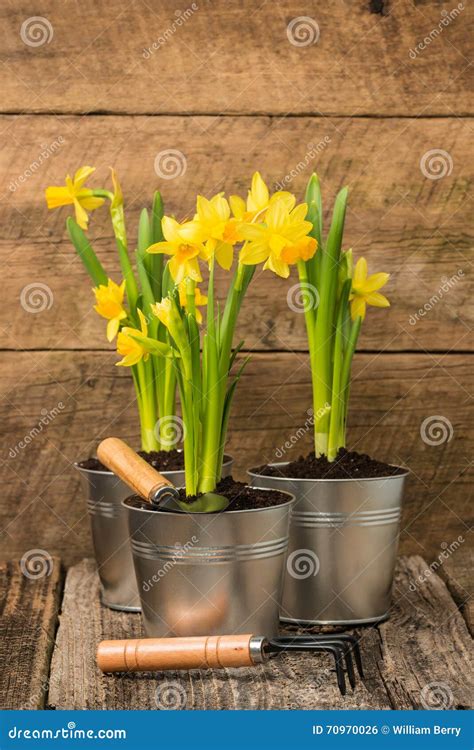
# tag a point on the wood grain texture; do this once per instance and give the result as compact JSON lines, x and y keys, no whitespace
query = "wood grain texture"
{"x":456,"y":571}
{"x":81,"y":398}
{"x":236,"y":57}
{"x":30,"y":598}
{"x":424,"y":643}
{"x":426,"y":646}
{"x":287,"y":682}
{"x":416,"y":228}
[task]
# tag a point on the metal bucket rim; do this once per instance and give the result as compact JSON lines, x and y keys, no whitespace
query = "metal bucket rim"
{"x":108,"y":473}
{"x":291,"y":501}
{"x":405,"y":473}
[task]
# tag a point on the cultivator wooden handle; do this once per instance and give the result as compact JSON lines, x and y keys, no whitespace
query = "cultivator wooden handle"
{"x":218,"y":651}
{"x":135,"y":471}
{"x":156,"y":654}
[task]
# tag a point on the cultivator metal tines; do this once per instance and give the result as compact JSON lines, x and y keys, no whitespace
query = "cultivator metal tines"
{"x":215,"y":652}
{"x":341,"y":645}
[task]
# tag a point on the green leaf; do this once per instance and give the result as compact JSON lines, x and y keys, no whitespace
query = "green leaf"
{"x":85,"y":252}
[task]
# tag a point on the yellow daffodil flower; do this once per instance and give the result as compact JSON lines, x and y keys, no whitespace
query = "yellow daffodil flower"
{"x":74,"y":193}
{"x":162,"y":310}
{"x":184,"y":243}
{"x":281,"y":240}
{"x":110,"y":305}
{"x":217,"y":230}
{"x":200,"y":299}
{"x":131,"y":349}
{"x":116,"y":209}
{"x":365,"y":290}
{"x":258,"y":200}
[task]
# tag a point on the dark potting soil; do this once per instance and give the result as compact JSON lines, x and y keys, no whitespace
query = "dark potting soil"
{"x":160,"y":460}
{"x":240,"y":495}
{"x":347,"y":465}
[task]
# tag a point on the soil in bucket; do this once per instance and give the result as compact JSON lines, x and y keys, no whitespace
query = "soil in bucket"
{"x":162,"y":460}
{"x":347,"y":465}
{"x":241,"y":497}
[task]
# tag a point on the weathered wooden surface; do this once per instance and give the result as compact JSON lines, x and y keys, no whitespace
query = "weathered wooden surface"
{"x":457,"y":571}
{"x":30,"y":597}
{"x":236,"y":57}
{"x":404,"y":223}
{"x":426,"y":647}
{"x":84,"y":398}
{"x":424,"y":644}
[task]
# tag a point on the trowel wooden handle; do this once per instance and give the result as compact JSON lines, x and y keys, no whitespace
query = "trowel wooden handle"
{"x":129,"y":466}
{"x":152,"y":654}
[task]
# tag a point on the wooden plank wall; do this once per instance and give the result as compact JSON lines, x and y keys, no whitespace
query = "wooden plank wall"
{"x":374,"y":95}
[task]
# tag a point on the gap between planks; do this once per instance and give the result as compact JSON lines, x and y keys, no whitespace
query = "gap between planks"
{"x":424,"y":643}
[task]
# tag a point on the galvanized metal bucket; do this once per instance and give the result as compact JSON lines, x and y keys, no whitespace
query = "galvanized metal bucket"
{"x":210,"y":574}
{"x":109,"y":524}
{"x":343,"y":547}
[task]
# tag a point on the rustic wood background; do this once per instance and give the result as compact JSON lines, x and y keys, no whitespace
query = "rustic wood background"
{"x":86,"y":84}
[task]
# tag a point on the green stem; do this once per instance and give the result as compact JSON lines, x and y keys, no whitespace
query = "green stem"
{"x":346,"y":369}
{"x":310,"y":320}
{"x":324,"y":330}
{"x":336,"y":433}
{"x":212,"y":404}
{"x":148,"y":415}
